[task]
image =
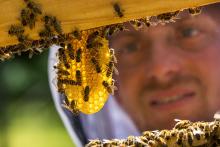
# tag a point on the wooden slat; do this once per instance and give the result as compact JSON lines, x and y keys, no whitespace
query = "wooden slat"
{"x":86,"y":14}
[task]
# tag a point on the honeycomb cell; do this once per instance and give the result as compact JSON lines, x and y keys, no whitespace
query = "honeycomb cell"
{"x":91,"y":65}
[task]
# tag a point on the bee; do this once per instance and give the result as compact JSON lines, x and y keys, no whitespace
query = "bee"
{"x":195,"y":11}
{"x":112,"y":29}
{"x":151,"y":143}
{"x":173,"y":133}
{"x":107,"y":143}
{"x":78,"y":55}
{"x":31,"y":20}
{"x":70,"y":51}
{"x":48,"y":19}
{"x":163,"y":133}
{"x":179,"y":141}
{"x":207,"y":133}
{"x":62,"y":39}
{"x":91,"y":38}
{"x":182,"y":124}
{"x":168,"y":17}
{"x":136,"y":24}
{"x":139,"y":142}
{"x":95,"y":45}
{"x":76,"y":34}
{"x":78,"y":78}
{"x":96,"y":64}
{"x":145,"y":21}
{"x":115,"y":142}
{"x":42,"y":42}
{"x":23,"y":39}
{"x":16,"y":30}
{"x":55,"y":40}
{"x":148,"y":134}
{"x":63,"y":72}
{"x":130,"y":140}
{"x":57,"y":26}
{"x":86,"y":94}
{"x":47,"y":44}
{"x":109,"y":88}
{"x":28,"y":18}
{"x":190,"y":138}
{"x":62,"y":57}
{"x":35,"y":43}
{"x":111,"y":68}
{"x":168,"y":136}
{"x":66,"y":101}
{"x":46,"y":33}
{"x":160,"y":141}
{"x":66,"y":81}
{"x":198,"y":136}
{"x":118,"y":10}
{"x":180,"y":138}
{"x":17,"y":48}
{"x":24,"y":16}
{"x":4,"y":55}
{"x":36,"y":8}
{"x":62,"y":44}
{"x":72,"y":107}
{"x":94,"y":143}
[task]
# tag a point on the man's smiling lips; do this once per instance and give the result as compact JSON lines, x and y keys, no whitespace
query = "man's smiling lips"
{"x":170,"y":98}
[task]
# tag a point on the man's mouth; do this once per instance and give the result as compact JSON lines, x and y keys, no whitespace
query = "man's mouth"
{"x":171,"y":99}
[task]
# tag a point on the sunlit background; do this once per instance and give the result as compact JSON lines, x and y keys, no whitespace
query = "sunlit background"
{"x":27,"y":114}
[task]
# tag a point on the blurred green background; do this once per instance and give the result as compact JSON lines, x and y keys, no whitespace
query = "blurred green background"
{"x":27,"y":114}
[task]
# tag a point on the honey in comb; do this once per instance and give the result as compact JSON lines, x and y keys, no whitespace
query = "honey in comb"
{"x":98,"y":94}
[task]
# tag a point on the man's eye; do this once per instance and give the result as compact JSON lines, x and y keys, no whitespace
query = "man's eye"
{"x":131,"y":47}
{"x":189,"y":32}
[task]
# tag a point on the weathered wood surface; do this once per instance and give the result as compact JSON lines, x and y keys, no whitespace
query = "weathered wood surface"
{"x":85,"y":14}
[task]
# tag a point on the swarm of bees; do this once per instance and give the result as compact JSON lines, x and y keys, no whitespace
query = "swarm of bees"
{"x":195,"y":10}
{"x":184,"y":134}
{"x":86,"y":63}
{"x":52,"y":32}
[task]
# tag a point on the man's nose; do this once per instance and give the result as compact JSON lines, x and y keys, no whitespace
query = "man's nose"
{"x":165,"y":64}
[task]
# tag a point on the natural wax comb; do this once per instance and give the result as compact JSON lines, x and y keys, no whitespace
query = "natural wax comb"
{"x":87,"y":71}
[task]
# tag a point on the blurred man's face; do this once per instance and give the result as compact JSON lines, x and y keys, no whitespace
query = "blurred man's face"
{"x":170,"y":71}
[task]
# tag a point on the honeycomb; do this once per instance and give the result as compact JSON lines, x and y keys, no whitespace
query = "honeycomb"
{"x":85,"y":88}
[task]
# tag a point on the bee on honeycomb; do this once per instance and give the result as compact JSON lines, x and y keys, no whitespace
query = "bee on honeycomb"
{"x":90,"y":81}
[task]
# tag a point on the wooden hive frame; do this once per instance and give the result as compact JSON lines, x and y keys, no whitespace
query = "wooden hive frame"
{"x":86,"y":14}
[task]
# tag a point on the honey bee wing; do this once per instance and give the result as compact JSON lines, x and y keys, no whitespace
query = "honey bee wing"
{"x":116,"y":70}
{"x":66,"y":107}
{"x":114,"y":59}
{"x":31,"y":53}
{"x":115,"y":87}
{"x":217,"y":115}
{"x":54,"y":82}
{"x":177,"y":120}
{"x":39,"y":49}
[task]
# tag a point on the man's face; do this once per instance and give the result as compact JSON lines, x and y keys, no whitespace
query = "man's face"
{"x":170,"y":71}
